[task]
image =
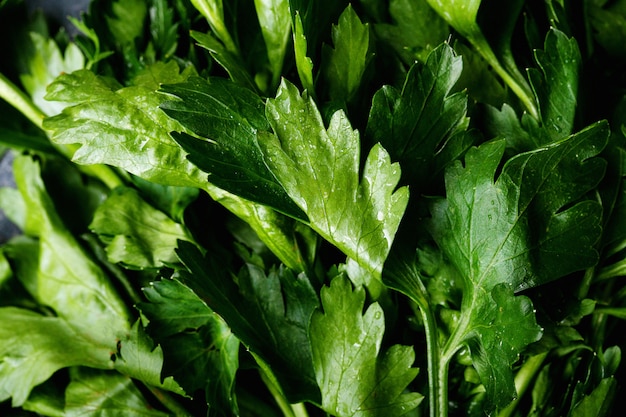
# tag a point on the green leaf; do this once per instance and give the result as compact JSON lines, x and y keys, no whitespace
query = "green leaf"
{"x":213,"y":11}
{"x":45,"y":64}
{"x":102,"y":393}
{"x":415,"y":123}
{"x":416,"y":29}
{"x":122,"y":126}
{"x":230,"y":61}
{"x":353,"y":375}
{"x":136,"y":234}
{"x":67,"y":279}
{"x":275,"y":20}
{"x":269,"y":313}
{"x":206,"y":359}
{"x":34,"y":347}
{"x":304,"y":64}
{"x":600,"y":402}
{"x":163,"y":29}
{"x":228,"y":117}
{"x":172,"y":307}
{"x":200,"y":351}
{"x":521,"y":231}
{"x":137,"y":357}
{"x":556,"y":85}
{"x":319,"y":169}
{"x":126,"y":21}
{"x":346,"y":62}
{"x":608,"y":20}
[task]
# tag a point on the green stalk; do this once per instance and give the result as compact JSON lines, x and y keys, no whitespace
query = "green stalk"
{"x":522,"y":91}
{"x":288,"y":409}
{"x":437,"y":383}
{"x":19,"y":100}
{"x":170,"y":403}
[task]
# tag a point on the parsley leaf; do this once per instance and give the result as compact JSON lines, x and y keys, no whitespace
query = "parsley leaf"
{"x":319,"y":169}
{"x":355,"y":379}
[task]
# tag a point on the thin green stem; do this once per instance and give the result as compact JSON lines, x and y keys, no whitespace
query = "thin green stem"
{"x":20,"y":101}
{"x":522,"y":91}
{"x":168,"y":402}
{"x":438,"y":387}
{"x":288,"y":409}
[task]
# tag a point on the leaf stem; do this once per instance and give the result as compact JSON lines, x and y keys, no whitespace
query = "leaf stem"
{"x":20,"y":101}
{"x":522,"y":91}
{"x":288,"y":409}
{"x":437,"y":382}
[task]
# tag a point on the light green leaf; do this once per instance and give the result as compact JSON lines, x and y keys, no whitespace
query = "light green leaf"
{"x":319,"y":169}
{"x":213,"y":11}
{"x":135,"y":233}
{"x":34,"y":347}
{"x":46,"y":63}
{"x":275,"y":20}
{"x":123,"y":126}
{"x":355,"y":378}
{"x":346,"y":62}
{"x":67,"y":279}
{"x":304,"y":64}
{"x":107,"y":394}
{"x":126,"y":22}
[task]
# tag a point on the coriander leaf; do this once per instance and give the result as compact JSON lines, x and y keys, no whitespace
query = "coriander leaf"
{"x":105,"y":393}
{"x":415,"y":29}
{"x":275,"y":20}
{"x":67,"y":279}
{"x":122,"y":126}
{"x":228,"y":118}
{"x":355,"y":378}
{"x":34,"y":347}
{"x":172,"y":307}
{"x":608,"y":20}
{"x":135,"y":233}
{"x":137,"y":357}
{"x":346,"y":62}
{"x":269,"y":313}
{"x":319,"y":169}
{"x":414,"y":123}
{"x":555,"y":84}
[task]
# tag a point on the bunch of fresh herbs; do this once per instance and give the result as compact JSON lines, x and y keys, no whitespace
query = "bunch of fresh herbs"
{"x":314,"y":208}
